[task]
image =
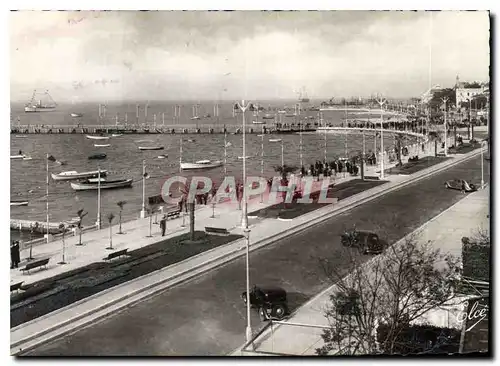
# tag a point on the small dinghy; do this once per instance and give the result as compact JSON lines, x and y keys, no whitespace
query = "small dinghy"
{"x":19,"y":203}
{"x":74,"y":175}
{"x":202,"y":164}
{"x":103,"y":184}
{"x":244,"y":157}
{"x":116,"y":135}
{"x":102,"y":145}
{"x":91,"y":137}
{"x":144,"y":148}
{"x":97,"y":157}
{"x":164,"y":156}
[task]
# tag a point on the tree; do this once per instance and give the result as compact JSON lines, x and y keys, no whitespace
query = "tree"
{"x":387,"y":293}
{"x":436,"y":102}
{"x":81,"y":214}
{"x":110,"y":217}
{"x":285,"y":170}
{"x":62,"y":227}
{"x":120,"y":204}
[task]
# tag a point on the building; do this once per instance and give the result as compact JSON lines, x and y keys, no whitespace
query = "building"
{"x":464,"y":94}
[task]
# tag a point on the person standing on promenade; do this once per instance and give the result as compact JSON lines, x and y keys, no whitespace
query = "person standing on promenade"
{"x":163,"y":225}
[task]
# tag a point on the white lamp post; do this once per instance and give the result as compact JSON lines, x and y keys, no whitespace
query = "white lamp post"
{"x":261,"y":162}
{"x":381,"y":103}
{"x":445,"y":129}
{"x":243,"y":108}
{"x":143,"y":209}
{"x":98,"y":222}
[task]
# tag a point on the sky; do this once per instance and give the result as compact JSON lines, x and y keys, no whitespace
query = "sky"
{"x":176,"y":55}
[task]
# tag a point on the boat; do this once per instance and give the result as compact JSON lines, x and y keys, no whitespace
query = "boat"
{"x":195,"y":118}
{"x":97,"y":156}
{"x":17,"y":156}
{"x":104,"y":184}
{"x":142,"y":148}
{"x":244,"y":157}
{"x":35,"y":105}
{"x":102,"y":145}
{"x":268,"y":116}
{"x":21,"y":136}
{"x":258,"y":122}
{"x":75,"y":115}
{"x":291,"y":115}
{"x":19,"y":203}
{"x":201,"y":164}
{"x":282,"y":111}
{"x":303,"y":98}
{"x":116,"y":134}
{"x":73,"y":175}
{"x":164,"y":156}
{"x":27,"y":158}
{"x":274,"y":140}
{"x":91,"y":137}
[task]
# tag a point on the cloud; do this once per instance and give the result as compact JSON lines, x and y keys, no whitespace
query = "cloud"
{"x":249,"y":54}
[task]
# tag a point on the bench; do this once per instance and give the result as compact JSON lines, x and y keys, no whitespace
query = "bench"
{"x":16,"y":286}
{"x":116,"y":254}
{"x":372,"y":177}
{"x":173,"y":214}
{"x":216,"y":231}
{"x":36,"y":264}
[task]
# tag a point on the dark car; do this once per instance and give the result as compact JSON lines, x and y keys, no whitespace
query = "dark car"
{"x":271,"y":302}
{"x":367,"y":242}
{"x":460,"y":184}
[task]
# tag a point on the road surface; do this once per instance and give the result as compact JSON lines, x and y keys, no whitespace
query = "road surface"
{"x":207,"y":317}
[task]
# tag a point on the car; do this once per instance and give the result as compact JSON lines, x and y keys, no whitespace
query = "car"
{"x":271,"y":302}
{"x":366,"y":241}
{"x":460,"y":184}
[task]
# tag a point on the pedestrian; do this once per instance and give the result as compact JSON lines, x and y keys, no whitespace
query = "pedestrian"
{"x":12,"y":255}
{"x":17,"y":257}
{"x":163,"y":225}
{"x":463,"y":186}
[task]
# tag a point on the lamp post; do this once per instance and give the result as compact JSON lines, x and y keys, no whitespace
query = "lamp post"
{"x":445,"y":129}
{"x":98,"y":222}
{"x":143,"y":209}
{"x":261,"y":162}
{"x":482,"y":162}
{"x":381,"y":102}
{"x":324,"y":131}
{"x":243,"y":108}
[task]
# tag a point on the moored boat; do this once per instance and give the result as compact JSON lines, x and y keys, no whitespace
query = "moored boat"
{"x":38,"y":106}
{"x":164,"y":156}
{"x":201,"y":164}
{"x":97,"y":156}
{"x":258,"y":122}
{"x":17,"y":156}
{"x":19,"y":203}
{"x":104,"y":184}
{"x":73,"y":175}
{"x":244,"y":157}
{"x":150,"y":147}
{"x":102,"y":145}
{"x":268,"y":116}
{"x":116,"y":134}
{"x":91,"y":137}
{"x":75,"y":115}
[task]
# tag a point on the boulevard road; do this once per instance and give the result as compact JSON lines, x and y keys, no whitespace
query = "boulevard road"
{"x":206,"y":316}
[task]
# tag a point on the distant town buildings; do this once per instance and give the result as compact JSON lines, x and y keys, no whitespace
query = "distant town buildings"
{"x":465,"y":91}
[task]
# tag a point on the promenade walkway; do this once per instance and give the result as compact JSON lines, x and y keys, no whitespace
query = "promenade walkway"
{"x":301,"y":333}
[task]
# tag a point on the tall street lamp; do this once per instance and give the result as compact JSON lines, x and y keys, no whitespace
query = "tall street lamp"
{"x":144,"y":176}
{"x":261,"y":161}
{"x":98,"y":222}
{"x":445,"y":129}
{"x":381,"y":103}
{"x":243,"y":108}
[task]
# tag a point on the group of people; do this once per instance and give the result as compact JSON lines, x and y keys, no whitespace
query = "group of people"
{"x":331,"y":168}
{"x":15,"y":256}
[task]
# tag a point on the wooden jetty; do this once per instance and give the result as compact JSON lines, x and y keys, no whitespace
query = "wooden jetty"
{"x":26,"y":225}
{"x":171,"y":129}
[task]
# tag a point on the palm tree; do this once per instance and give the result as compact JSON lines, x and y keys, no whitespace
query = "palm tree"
{"x":62,"y":227}
{"x":81,"y":214}
{"x":110,"y":217}
{"x":120,"y":204}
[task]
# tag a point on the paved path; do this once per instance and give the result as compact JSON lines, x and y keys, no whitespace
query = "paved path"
{"x":205,"y":316}
{"x":445,"y":232}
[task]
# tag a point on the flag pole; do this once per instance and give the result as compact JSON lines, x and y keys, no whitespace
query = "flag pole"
{"x":98,"y":222}
{"x":47,"y":201}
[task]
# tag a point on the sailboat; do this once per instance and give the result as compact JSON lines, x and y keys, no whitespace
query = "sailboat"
{"x":35,"y":105}
{"x":303,"y":98}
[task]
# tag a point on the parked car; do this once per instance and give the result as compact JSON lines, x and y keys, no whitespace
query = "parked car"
{"x":366,"y":241}
{"x":460,"y":184}
{"x":271,"y":302}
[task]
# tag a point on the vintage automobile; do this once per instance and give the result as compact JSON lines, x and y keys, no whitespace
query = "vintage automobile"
{"x":367,"y":242}
{"x":271,"y":302}
{"x":460,"y":184}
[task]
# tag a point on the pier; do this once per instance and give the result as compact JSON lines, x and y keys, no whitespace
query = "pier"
{"x":168,"y":129}
{"x":27,"y":225}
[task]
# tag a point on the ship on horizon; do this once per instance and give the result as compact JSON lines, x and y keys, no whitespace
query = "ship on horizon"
{"x":303,"y":98}
{"x":38,"y":105}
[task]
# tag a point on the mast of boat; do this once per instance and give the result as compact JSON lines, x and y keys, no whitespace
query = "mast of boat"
{"x":47,"y":199}
{"x":180,"y":155}
{"x":154,"y":120}
{"x":126,"y":117}
{"x":225,"y":151}
{"x":137,"y":114}
{"x":98,"y":222}
{"x":321,"y":122}
{"x":163,"y":119}
{"x":300,"y":127}
{"x":146,"y":113}
{"x":116,"y":119}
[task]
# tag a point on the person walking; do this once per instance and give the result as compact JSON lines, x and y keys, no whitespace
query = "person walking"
{"x":163,"y":225}
{"x":12,"y":255}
